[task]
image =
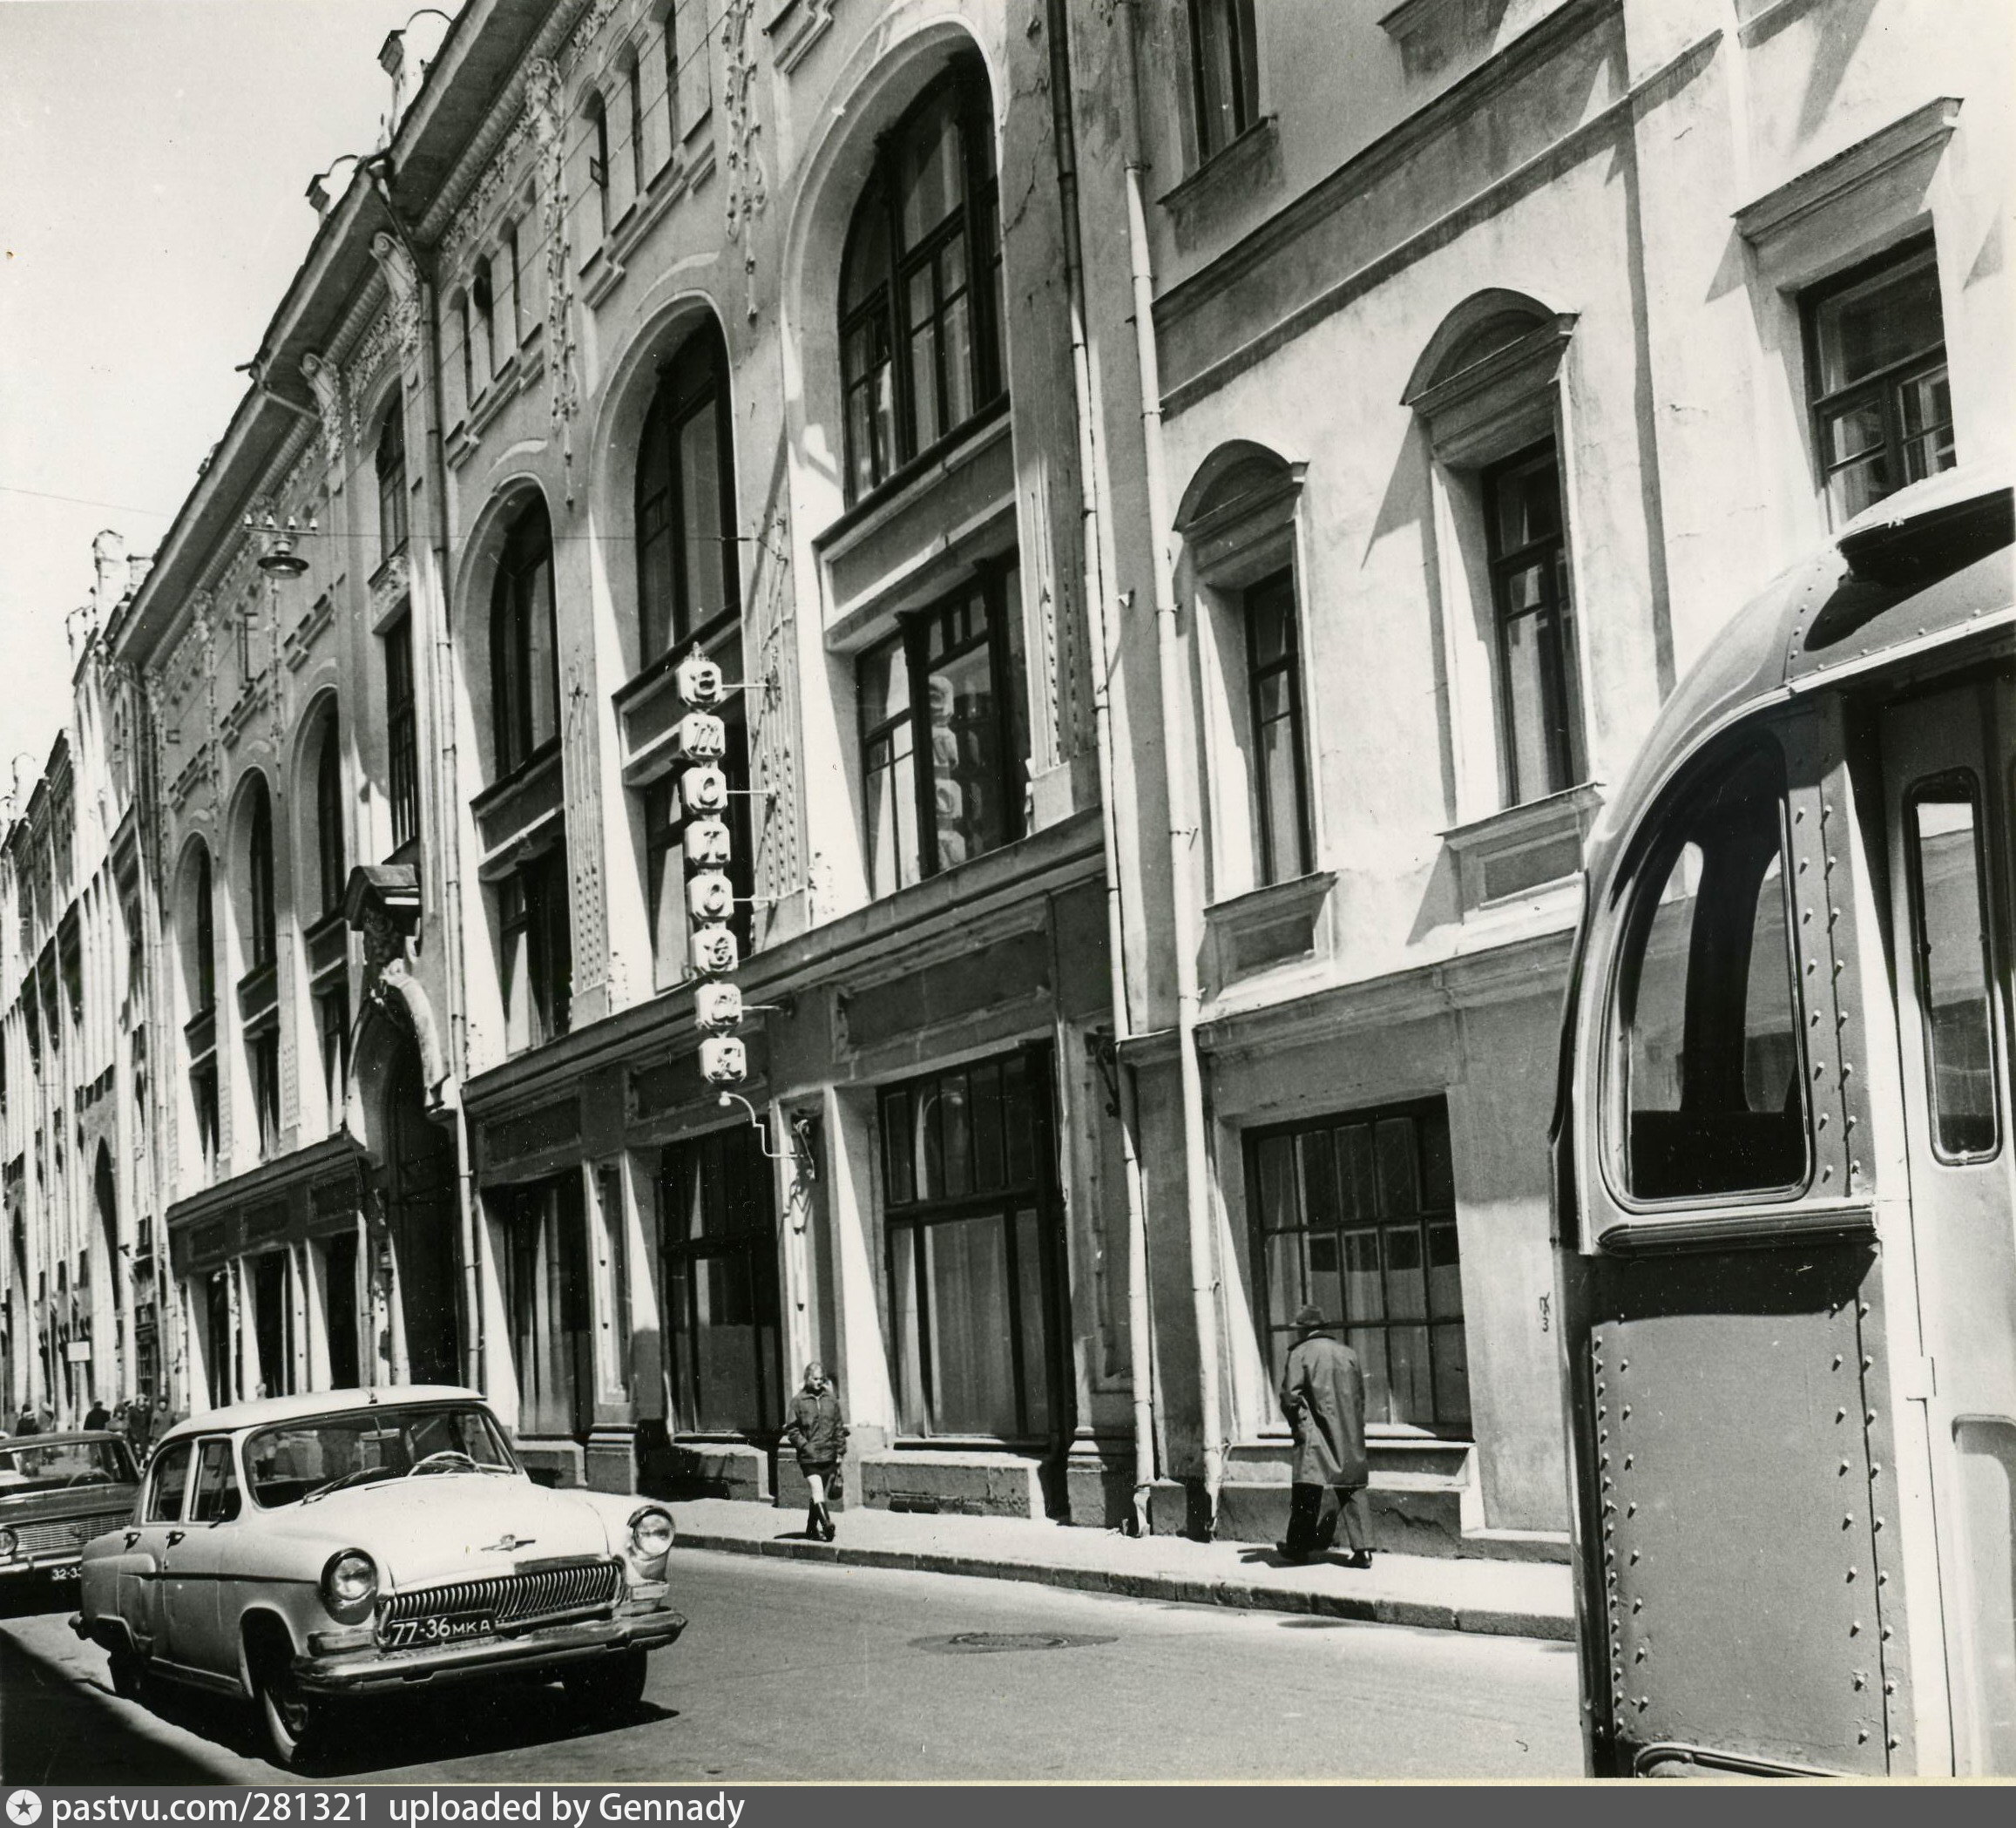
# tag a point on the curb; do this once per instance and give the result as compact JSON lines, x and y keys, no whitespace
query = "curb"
{"x":1239,"y":1595}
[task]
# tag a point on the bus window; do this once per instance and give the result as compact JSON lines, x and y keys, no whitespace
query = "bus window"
{"x":1952,"y":965}
{"x":1706,"y":1030}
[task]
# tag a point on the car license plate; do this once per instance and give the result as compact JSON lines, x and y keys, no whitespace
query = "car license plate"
{"x":63,"y":1576}
{"x":436,"y":1628}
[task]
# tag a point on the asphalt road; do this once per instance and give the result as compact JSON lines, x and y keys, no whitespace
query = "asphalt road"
{"x":808,"y":1670}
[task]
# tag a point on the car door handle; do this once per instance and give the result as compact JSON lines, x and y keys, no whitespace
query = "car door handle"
{"x":175,"y":1536}
{"x":133,"y":1536}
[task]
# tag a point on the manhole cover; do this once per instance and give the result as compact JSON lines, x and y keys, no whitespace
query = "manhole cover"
{"x":980,"y":1642}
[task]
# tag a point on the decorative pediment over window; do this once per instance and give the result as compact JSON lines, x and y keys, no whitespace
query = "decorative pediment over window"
{"x":1238,"y":518}
{"x":1485,"y":383}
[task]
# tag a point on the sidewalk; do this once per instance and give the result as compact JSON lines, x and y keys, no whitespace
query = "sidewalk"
{"x":1507,"y":1599}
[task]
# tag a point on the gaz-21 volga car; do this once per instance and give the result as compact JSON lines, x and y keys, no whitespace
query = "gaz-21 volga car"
{"x":57,"y":1492}
{"x":299,"y":1550}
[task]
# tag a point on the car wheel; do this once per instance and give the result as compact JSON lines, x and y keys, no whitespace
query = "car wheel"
{"x":129,"y":1673}
{"x":293,"y":1719}
{"x":609,"y":1687}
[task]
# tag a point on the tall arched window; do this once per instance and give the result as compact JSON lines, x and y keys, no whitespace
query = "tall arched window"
{"x":391,"y":465}
{"x":524,"y":675}
{"x":687,"y":573}
{"x":259,"y":923}
{"x":920,"y":283}
{"x":329,"y":814}
{"x":204,"y":921}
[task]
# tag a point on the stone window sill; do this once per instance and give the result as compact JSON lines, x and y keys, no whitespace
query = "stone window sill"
{"x":1523,"y":848}
{"x":1269,"y":927}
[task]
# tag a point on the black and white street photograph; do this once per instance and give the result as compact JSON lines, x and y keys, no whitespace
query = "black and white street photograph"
{"x":973,"y":892}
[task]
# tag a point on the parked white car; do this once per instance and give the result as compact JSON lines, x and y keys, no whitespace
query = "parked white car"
{"x":300,"y":1549}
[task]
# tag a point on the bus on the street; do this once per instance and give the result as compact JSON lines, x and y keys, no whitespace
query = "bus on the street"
{"x":1785,"y":1254}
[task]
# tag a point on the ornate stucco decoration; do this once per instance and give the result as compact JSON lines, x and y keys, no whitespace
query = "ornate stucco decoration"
{"x":747,"y":188}
{"x":549,"y":135}
{"x":381,"y":901}
{"x":496,"y":178}
{"x":389,"y":587}
{"x":374,"y":347}
{"x":796,"y":27}
{"x":325,"y":380}
{"x":403,"y":283}
{"x":584,"y":34}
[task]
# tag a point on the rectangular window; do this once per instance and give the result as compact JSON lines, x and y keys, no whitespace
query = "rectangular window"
{"x":466,"y":317}
{"x":717,"y":1220}
{"x":1540,"y":702}
{"x":1224,"y":67}
{"x":340,"y":1288}
{"x":1281,"y":813}
{"x":401,"y":733}
{"x":262,"y":1050}
{"x":332,"y":1030}
{"x":598,"y":159}
{"x":536,"y":946}
{"x":1949,"y":909}
{"x":203,"y":1093}
{"x":969,"y":1197}
{"x":271,"y":1324}
{"x":1876,"y":357}
{"x":944,"y":738}
{"x":484,"y":300}
{"x":1355,"y":1215}
{"x":614,"y":1238}
{"x":633,"y":84}
{"x":694,"y":66}
{"x":517,"y":317}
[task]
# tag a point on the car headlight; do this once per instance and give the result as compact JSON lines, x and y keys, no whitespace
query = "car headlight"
{"x":651,"y":1533}
{"x":349,"y":1584}
{"x":9,"y":1543}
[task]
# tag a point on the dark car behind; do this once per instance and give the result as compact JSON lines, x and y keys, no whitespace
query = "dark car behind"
{"x":57,"y":1492}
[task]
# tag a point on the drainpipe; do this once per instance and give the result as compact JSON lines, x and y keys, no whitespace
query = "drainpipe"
{"x":1184,"y":824}
{"x":450,"y":832}
{"x":1140,"y":1359}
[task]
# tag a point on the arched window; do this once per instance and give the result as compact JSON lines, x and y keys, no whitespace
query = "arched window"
{"x":920,"y":283}
{"x":524,"y":674}
{"x":329,"y":814}
{"x":391,"y":464}
{"x":204,"y":924}
{"x":687,"y":573}
{"x":259,"y":924}
{"x":599,"y":155}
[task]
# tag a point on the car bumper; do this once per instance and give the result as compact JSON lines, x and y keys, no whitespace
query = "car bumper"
{"x":550,"y":1648}
{"x":57,"y":1564}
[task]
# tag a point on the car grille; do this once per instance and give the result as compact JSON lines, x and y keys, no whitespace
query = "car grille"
{"x":513,"y":1598}
{"x":39,"y":1538}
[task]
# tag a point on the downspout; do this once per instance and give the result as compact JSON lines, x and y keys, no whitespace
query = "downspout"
{"x":449,"y":834}
{"x":1140,"y":1357}
{"x":1184,"y":824}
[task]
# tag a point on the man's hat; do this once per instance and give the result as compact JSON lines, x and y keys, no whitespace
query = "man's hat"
{"x":1310,"y":1318}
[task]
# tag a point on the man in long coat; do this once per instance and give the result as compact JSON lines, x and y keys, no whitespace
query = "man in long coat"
{"x":1322,"y":1394}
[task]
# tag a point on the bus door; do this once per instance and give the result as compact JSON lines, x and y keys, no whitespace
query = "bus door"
{"x":1948,"y":783}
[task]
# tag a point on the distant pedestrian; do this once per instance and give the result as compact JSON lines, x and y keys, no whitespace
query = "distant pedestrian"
{"x":1322,"y":1394}
{"x":25,"y":1422}
{"x":140,"y":1427}
{"x":98,"y":1415}
{"x":820,"y":1436}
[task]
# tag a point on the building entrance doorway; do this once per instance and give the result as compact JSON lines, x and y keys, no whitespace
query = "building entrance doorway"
{"x":419,"y":1182}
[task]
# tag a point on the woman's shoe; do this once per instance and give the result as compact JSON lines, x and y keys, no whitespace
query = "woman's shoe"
{"x":825,"y":1528}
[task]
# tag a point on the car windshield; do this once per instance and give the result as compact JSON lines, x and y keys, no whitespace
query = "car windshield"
{"x":296,"y":1460}
{"x":62,"y":1465}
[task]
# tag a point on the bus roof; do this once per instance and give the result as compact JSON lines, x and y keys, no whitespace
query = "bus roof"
{"x":1923,"y":569}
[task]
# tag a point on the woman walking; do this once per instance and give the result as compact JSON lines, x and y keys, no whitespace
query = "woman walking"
{"x":820,"y":1436}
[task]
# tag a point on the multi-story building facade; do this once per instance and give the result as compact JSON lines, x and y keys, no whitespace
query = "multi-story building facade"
{"x":1194,"y":503}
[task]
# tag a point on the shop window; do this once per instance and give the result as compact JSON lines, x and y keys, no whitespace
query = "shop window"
{"x":545,"y":1275}
{"x":920,"y":282}
{"x":401,"y":734}
{"x":339,"y":1287}
{"x":1949,"y":910}
{"x":687,"y":573}
{"x":329,"y":816}
{"x":944,"y":737}
{"x":536,"y":951}
{"x":391,"y":467}
{"x":968,"y":1197}
{"x":1539,"y":706}
{"x":1356,"y":1216}
{"x":1705,"y":1057}
{"x":1274,"y":684}
{"x":1876,"y":354}
{"x":717,"y":1218}
{"x":1224,"y":71}
{"x":524,"y":677}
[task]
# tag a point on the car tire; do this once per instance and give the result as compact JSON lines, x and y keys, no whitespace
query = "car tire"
{"x":293,"y":1719}
{"x":609,"y":1687}
{"x":129,"y":1674}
